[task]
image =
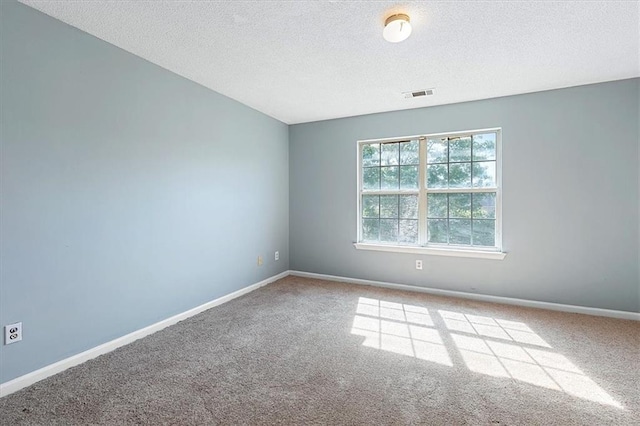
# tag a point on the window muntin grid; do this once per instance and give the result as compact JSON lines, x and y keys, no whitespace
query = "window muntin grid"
{"x":462,"y":169}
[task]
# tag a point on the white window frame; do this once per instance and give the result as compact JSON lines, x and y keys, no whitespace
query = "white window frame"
{"x":423,"y":247}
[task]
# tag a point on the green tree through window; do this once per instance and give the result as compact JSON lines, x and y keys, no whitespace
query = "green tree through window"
{"x":437,"y":190}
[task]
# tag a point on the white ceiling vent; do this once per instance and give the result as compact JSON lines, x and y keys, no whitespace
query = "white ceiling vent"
{"x":418,"y":93}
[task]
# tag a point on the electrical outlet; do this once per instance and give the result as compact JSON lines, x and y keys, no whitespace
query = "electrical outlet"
{"x":260,"y":261}
{"x":418,"y":264}
{"x":277,"y":256}
{"x":12,"y":333}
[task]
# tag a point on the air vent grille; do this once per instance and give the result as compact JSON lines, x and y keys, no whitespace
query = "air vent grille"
{"x":418,"y":93}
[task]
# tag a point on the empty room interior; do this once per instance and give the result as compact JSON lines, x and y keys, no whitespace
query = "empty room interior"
{"x":319,"y":212}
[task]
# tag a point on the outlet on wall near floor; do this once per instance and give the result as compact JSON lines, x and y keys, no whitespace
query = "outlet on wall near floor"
{"x":418,"y":264}
{"x":260,"y":261}
{"x":277,"y":255}
{"x":12,"y":333}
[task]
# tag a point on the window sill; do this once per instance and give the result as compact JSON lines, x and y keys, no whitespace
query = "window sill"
{"x":495,"y":255}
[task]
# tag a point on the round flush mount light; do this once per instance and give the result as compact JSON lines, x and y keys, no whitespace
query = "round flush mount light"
{"x":397,"y":28}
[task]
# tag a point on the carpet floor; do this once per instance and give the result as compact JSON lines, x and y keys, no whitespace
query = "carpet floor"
{"x":303,"y":351}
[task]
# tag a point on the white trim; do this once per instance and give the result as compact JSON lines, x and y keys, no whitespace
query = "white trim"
{"x":55,"y":368}
{"x":359,"y":189}
{"x":479,"y":254}
{"x":392,"y":192}
{"x":635,"y":316}
{"x":35,"y":376}
{"x":484,"y":189}
{"x":423,"y":247}
{"x":422,"y":196}
{"x":498,"y":241}
{"x":430,"y":135}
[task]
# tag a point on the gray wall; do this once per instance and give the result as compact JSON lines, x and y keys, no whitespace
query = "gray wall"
{"x":570,"y":199}
{"x":129,"y":194}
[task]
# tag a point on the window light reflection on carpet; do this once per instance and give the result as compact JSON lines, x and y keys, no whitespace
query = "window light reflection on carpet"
{"x":489,"y":346}
{"x":399,"y":328}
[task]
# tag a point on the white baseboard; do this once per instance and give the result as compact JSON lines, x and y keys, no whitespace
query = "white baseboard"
{"x":481,"y":297}
{"x":51,"y":369}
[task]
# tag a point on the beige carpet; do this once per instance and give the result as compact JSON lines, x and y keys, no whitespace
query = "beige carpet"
{"x":304,"y":351}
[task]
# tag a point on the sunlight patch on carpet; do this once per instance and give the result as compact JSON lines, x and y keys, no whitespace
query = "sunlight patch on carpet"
{"x":399,"y":328}
{"x":489,"y":346}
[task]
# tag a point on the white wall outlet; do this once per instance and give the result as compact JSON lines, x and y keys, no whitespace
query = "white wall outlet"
{"x":418,"y":264}
{"x":12,"y":333}
{"x":277,"y":255}
{"x":260,"y":261}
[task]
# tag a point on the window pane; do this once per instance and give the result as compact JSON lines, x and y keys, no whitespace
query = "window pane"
{"x":437,"y":205}
{"x":371,"y":155}
{"x":460,"y":175}
{"x":371,"y":178}
{"x":390,"y":177}
{"x":409,"y":177}
{"x":437,"y":151}
{"x":456,"y":218}
{"x":389,"y":206}
{"x":460,"y":206}
{"x":484,"y":232}
{"x":389,"y":230}
{"x":484,"y":147}
{"x":370,"y":206}
{"x":370,"y":229}
{"x":437,"y":176}
{"x":409,"y":206}
{"x":484,"y":174}
{"x":460,"y":149}
{"x":460,"y":231}
{"x":484,"y":206}
{"x":409,"y":153}
{"x":390,"y":154}
{"x":437,"y":230}
{"x":408,"y":232}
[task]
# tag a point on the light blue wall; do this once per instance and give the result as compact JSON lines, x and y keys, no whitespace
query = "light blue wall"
{"x":570,"y":198}
{"x":129,"y":194}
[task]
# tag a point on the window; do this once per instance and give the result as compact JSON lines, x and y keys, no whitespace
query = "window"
{"x":437,"y":194}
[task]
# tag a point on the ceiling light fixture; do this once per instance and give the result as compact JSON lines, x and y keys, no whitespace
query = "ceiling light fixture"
{"x":397,"y":28}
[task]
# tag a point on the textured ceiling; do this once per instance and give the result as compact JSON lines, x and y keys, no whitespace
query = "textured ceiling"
{"x":302,"y":61}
